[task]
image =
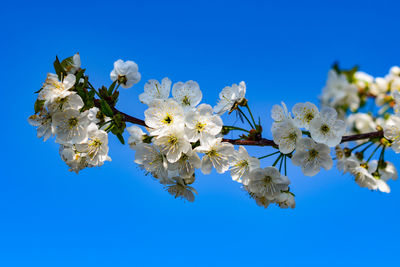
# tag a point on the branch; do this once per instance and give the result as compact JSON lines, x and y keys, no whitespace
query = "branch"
{"x":261,"y":142}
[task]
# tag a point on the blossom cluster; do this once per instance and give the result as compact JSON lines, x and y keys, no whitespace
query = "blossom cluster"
{"x":61,"y":111}
{"x":322,"y":129}
{"x":349,"y":92}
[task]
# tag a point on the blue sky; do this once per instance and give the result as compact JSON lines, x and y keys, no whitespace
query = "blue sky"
{"x":116,"y":216}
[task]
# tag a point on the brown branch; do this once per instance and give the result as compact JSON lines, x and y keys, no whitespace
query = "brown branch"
{"x":261,"y":142}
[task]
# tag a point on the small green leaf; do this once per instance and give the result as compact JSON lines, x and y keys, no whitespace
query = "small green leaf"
{"x":38,"y":91}
{"x":103,"y":92}
{"x":79,"y":75}
{"x":121,"y":139}
{"x":111,"y":88}
{"x":58,"y":68}
{"x":38,"y":105}
{"x":105,"y":108}
{"x":114,"y":97}
{"x":336,"y":67}
{"x":67,"y":63}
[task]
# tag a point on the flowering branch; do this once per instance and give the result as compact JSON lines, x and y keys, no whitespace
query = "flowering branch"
{"x":183,"y":135}
{"x":261,"y":142}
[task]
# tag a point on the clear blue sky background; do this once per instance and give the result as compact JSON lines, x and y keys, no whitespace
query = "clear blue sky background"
{"x":116,"y":216}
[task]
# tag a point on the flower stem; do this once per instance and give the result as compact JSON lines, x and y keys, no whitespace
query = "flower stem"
{"x":365,"y":148}
{"x":266,"y":156}
{"x":359,"y":145}
{"x":382,"y":156}
{"x":280,"y":165}
{"x":276,"y":161}
{"x":373,"y":152}
{"x":285,"y":167}
{"x":236,"y":128}
{"x":251,"y":115}
{"x":244,"y":115}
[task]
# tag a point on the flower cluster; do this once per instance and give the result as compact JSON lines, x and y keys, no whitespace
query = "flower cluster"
{"x":180,"y":135}
{"x":59,"y":112}
{"x":324,"y":128}
{"x":349,"y":91}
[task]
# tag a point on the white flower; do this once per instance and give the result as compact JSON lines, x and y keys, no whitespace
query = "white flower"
{"x":363,"y":79}
{"x":311,"y":156}
{"x":153,"y":161}
{"x":43,"y":121}
{"x":339,"y":92}
{"x":286,"y":200}
{"x":326,"y":128}
{"x":53,"y":88}
{"x":345,"y":164}
{"x":154,"y":90}
{"x":217,"y":154}
{"x":96,"y":147}
{"x":360,"y":123}
{"x":396,"y":98}
{"x":202,"y":124}
{"x":173,"y":144}
{"x":387,"y":171}
{"x":230,"y":96}
{"x":267,"y":182}
{"x":261,"y":200}
{"x":179,"y":189}
{"x":73,"y":101}
{"x":163,"y":116}
{"x":364,"y":178}
{"x":71,"y":126}
{"x":395,"y":71}
{"x":350,"y":164}
{"x":391,"y":131}
{"x":126,"y":73}
{"x":187,"y":94}
{"x":286,"y":135}
{"x":74,"y":159}
{"x":136,"y":136}
{"x":379,"y":87}
{"x":395,"y":85}
{"x":242,"y":164}
{"x":279,"y":113}
{"x":187,"y":164}
{"x":303,"y":113}
{"x":93,"y":114}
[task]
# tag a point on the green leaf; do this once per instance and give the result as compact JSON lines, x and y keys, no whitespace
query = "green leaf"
{"x":111,"y":88}
{"x":114,"y":97}
{"x":105,"y":108}
{"x":58,"y":68}
{"x":79,"y":75}
{"x":38,"y":105}
{"x":121,"y":139}
{"x":103,"y":92}
{"x":38,"y":91}
{"x":335,"y":67}
{"x":67,"y":63}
